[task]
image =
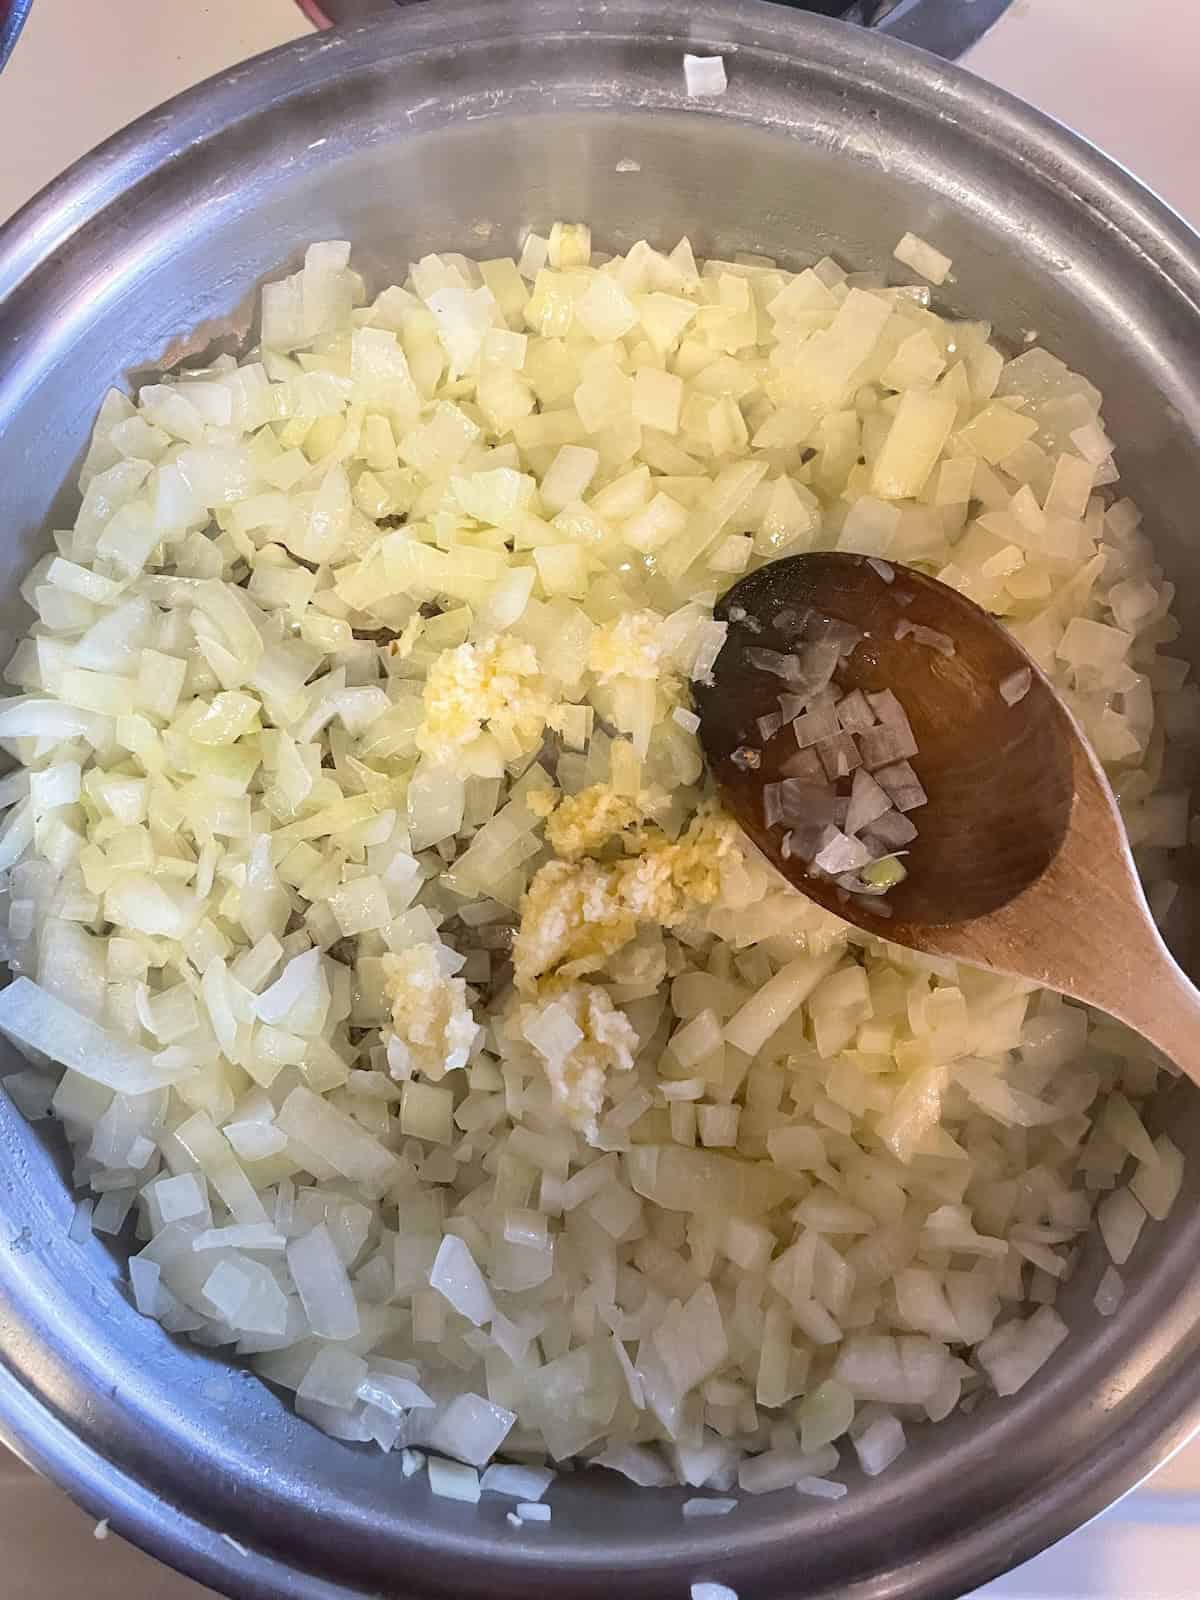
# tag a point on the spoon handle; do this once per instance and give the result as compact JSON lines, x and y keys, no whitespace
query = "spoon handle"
{"x":1164,"y":1006}
{"x":1084,"y":928}
{"x":1114,"y":957}
{"x":1108,"y":952}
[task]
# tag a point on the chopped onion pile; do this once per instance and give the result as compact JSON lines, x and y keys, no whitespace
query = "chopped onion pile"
{"x":842,"y":808}
{"x":380,"y":951}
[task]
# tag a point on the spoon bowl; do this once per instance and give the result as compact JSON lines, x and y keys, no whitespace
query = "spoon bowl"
{"x":1021,"y":862}
{"x":998,"y":776}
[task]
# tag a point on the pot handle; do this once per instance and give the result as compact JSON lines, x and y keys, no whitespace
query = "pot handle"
{"x":945,"y":27}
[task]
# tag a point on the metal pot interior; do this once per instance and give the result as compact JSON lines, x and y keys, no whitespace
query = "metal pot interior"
{"x":458,"y":126}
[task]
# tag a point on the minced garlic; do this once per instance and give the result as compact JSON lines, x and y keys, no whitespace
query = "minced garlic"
{"x":434,"y":1030}
{"x":577,"y":914}
{"x":606,"y":1042}
{"x":497,"y":683}
{"x":630,"y":647}
{"x":581,"y":823}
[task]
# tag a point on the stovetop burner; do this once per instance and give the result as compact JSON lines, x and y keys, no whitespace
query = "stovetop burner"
{"x":947,"y":27}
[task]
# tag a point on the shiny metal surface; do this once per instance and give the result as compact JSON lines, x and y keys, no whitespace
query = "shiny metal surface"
{"x":13,"y":15}
{"x":456,"y":125}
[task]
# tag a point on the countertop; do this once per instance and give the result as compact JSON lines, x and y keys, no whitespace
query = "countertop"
{"x":1122,"y":72}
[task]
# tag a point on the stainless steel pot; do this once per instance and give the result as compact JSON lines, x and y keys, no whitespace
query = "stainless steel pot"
{"x":455,"y":125}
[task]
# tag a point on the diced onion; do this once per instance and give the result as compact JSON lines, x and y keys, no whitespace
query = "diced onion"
{"x":451,"y":1480}
{"x":879,"y":1444}
{"x":705,"y":75}
{"x":916,"y":253}
{"x":378,"y":945}
{"x":710,"y":1506}
{"x":1109,"y":1292}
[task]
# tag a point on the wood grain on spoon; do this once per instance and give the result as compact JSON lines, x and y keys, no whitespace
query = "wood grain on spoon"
{"x":1021,"y":863}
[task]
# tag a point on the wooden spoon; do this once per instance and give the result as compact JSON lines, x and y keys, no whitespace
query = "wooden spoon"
{"x":1021,"y":863}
